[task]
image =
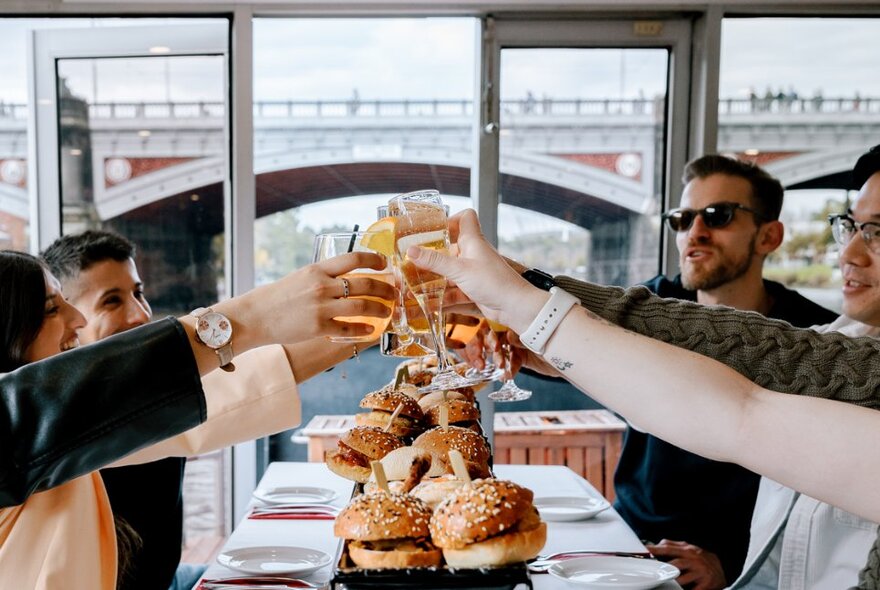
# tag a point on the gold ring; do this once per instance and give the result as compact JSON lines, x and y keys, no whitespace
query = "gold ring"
{"x":345,"y":289}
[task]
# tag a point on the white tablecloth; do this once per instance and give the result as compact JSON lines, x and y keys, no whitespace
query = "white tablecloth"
{"x":605,"y":532}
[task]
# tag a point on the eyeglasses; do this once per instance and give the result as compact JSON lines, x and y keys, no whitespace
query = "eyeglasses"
{"x":714,"y":216}
{"x":844,"y":227}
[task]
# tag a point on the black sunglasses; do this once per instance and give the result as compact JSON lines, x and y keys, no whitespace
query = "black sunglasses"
{"x":714,"y":216}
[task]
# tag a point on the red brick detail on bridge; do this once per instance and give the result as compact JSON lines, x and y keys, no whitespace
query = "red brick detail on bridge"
{"x":13,"y":171}
{"x":13,"y":232}
{"x":609,"y":162}
{"x":764,"y":158}
{"x":142,"y":167}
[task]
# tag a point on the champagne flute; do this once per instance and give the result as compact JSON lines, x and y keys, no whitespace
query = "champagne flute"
{"x":401,"y":337}
{"x":336,"y":244}
{"x":421,"y":221}
{"x":509,"y":391}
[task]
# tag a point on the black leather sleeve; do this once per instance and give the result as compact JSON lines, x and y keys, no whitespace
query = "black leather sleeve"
{"x":74,"y":413}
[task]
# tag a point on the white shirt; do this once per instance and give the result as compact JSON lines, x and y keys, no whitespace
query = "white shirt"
{"x":800,"y":543}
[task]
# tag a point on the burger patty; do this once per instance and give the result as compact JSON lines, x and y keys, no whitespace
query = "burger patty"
{"x":401,"y":419}
{"x":406,"y":544}
{"x":350,"y":456}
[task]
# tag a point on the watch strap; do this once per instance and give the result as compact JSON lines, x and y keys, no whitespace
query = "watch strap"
{"x":538,"y":333}
{"x":224,"y":353}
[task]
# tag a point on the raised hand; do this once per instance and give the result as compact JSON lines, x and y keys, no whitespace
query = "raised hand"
{"x":302,"y":305}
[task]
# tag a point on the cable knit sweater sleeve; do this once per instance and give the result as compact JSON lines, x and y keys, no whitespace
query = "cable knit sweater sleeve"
{"x":771,"y":353}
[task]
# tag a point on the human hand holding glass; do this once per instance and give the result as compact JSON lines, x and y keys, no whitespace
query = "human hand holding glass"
{"x":421,"y":221}
{"x":337,"y":244}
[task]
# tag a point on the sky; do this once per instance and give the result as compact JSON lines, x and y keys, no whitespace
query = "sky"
{"x":433,"y":58}
{"x":308,"y":59}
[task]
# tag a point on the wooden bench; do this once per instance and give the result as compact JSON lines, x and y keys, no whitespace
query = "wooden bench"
{"x":587,"y":441}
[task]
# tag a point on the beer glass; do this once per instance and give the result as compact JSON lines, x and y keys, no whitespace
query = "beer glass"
{"x":337,"y":244}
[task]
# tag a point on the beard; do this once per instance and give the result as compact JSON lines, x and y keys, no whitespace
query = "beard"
{"x":725,"y":270}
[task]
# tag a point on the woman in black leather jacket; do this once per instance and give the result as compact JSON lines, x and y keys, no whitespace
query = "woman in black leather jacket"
{"x":76,"y":412}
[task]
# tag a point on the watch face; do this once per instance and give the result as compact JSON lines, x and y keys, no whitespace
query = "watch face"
{"x":214,"y":329}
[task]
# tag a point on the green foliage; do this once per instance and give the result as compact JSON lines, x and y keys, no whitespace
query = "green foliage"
{"x":283,"y":244}
{"x":814,"y":275}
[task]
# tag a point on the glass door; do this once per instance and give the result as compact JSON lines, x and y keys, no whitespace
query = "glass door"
{"x":131,"y":132}
{"x":583,"y":138}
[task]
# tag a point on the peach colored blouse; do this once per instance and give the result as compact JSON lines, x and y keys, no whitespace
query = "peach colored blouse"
{"x":64,"y":538}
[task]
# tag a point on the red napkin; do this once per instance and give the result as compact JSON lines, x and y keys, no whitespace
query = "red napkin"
{"x":291,"y":516}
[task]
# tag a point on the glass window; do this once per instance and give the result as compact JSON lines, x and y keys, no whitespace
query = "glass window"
{"x":346,"y":114}
{"x":804,"y":112}
{"x":141,"y":146}
{"x":582,"y":144}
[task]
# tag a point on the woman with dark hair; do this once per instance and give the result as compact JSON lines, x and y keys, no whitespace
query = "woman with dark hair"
{"x":25,"y":312}
{"x":60,"y":419}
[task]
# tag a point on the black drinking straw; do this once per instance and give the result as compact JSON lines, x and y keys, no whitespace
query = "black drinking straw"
{"x":353,"y":236}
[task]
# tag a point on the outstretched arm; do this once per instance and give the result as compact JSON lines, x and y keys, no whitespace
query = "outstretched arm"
{"x":772,"y":353}
{"x":810,"y":444}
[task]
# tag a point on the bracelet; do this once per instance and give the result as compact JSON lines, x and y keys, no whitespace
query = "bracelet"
{"x":548,"y":319}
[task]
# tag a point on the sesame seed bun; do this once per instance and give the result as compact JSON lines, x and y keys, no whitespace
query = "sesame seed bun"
{"x":389,"y":400}
{"x":427,"y":401}
{"x":383,"y":403}
{"x":488,"y":523}
{"x":472,"y":446}
{"x":457,"y":411}
{"x":387,"y":531}
{"x":356,"y":448}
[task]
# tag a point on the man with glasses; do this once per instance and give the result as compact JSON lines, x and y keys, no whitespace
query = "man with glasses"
{"x":798,"y":541}
{"x":699,"y":510}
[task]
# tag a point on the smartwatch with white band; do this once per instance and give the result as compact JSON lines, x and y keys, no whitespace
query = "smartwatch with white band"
{"x":538,"y":333}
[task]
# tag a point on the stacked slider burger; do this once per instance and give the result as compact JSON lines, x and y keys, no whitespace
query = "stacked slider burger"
{"x":357,"y":448}
{"x":387,"y":530}
{"x":471,"y":445}
{"x":382,"y":405}
{"x":460,"y":412}
{"x":489,"y":522}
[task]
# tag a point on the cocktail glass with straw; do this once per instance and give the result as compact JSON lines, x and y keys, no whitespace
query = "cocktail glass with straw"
{"x":336,"y":244}
{"x":421,"y":221}
{"x":509,"y":391}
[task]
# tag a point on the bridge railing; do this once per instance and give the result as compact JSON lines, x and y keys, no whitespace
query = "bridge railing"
{"x":539,"y":107}
{"x":785,"y":105}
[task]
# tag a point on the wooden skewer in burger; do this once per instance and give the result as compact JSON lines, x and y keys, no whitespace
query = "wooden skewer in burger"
{"x":487,"y":522}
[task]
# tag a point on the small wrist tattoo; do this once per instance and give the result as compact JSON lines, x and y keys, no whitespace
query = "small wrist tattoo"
{"x":559,"y":364}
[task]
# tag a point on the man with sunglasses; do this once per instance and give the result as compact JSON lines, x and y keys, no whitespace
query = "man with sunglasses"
{"x":701,"y":509}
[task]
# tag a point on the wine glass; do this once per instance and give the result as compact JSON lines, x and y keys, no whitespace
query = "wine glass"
{"x":509,"y":391}
{"x":336,"y":244}
{"x":421,"y":221}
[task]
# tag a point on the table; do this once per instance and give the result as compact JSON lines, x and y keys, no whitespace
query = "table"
{"x":587,"y":441}
{"x":607,"y":531}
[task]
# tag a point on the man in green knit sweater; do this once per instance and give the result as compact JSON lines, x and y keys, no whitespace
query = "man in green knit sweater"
{"x":796,"y":541}
{"x":697,"y":511}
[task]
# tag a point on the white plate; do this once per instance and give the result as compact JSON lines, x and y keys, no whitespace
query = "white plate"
{"x":620,"y":573}
{"x":274,"y":560}
{"x":567,"y":508}
{"x":294,"y":495}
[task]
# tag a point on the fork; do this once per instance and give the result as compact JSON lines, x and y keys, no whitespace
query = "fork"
{"x":543,"y":562}
{"x":259,"y":582}
{"x":296,"y":508}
